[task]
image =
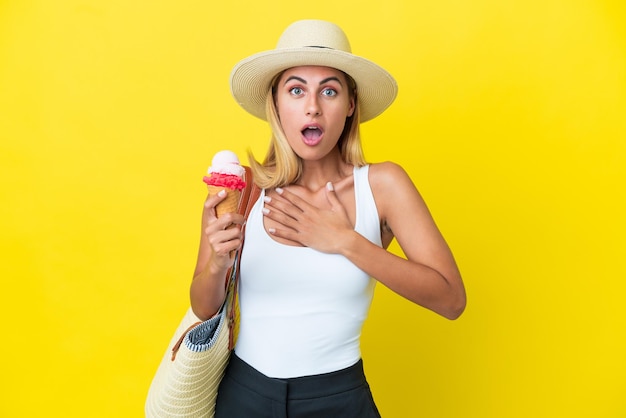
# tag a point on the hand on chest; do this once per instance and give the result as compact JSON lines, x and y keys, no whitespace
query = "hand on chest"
{"x":299,"y":216}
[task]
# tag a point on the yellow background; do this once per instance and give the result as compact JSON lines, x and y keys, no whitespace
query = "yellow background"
{"x":510,"y":119}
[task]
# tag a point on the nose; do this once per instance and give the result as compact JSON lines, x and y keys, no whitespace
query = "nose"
{"x":313,"y":106}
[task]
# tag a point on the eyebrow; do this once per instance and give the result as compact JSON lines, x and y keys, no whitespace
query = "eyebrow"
{"x":303,"y":81}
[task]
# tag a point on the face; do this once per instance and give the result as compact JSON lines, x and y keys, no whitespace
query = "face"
{"x":313,"y":104}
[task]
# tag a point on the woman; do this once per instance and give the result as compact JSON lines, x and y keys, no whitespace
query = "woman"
{"x":316,"y":239}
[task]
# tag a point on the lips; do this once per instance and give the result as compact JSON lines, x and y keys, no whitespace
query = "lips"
{"x":312,"y":134}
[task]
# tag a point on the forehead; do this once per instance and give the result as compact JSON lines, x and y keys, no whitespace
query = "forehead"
{"x":313,"y":72}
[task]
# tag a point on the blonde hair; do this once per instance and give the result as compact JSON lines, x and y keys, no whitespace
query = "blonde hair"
{"x":281,"y":165}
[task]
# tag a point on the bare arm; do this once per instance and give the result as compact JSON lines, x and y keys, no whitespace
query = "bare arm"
{"x":428,"y":276}
{"x":207,"y":289}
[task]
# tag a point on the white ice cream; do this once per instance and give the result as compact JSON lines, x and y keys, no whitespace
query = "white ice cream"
{"x":226,"y":162}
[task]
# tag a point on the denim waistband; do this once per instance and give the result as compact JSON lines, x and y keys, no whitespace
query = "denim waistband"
{"x":306,"y":387}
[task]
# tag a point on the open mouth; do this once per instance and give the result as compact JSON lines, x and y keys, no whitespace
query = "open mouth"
{"x":312,"y":135}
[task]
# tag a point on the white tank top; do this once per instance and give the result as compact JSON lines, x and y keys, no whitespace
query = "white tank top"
{"x":302,"y":310}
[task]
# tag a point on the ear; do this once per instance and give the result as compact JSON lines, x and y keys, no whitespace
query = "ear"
{"x":352,"y":107}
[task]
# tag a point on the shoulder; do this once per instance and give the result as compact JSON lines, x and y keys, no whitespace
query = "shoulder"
{"x":394,"y":191}
{"x":395,"y":196}
{"x":388,"y":177}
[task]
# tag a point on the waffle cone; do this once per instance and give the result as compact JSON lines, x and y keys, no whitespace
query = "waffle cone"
{"x":230,"y":202}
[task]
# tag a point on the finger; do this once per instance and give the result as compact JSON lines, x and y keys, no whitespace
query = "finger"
{"x":230,"y":219}
{"x":277,"y":215}
{"x":225,"y":250}
{"x":213,"y":200}
{"x":281,"y":209}
{"x":286,"y":234}
{"x":294,"y":199}
{"x":223,"y":236}
{"x":224,"y":241}
{"x":227,"y":221}
{"x":331,"y":196}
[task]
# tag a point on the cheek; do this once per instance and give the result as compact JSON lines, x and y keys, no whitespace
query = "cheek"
{"x":287,"y":124}
{"x":284,"y":110}
{"x":285,"y":114}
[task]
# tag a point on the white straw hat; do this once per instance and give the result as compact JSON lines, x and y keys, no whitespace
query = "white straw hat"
{"x":312,"y":42}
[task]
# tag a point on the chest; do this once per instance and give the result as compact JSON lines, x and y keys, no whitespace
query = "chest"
{"x":319,"y":201}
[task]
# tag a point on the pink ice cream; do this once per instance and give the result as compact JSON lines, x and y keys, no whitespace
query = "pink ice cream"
{"x":226,"y":171}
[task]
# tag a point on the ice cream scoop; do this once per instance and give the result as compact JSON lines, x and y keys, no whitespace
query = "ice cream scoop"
{"x":226,"y":173}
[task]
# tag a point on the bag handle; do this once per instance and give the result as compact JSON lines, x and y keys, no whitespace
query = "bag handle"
{"x":249,"y":197}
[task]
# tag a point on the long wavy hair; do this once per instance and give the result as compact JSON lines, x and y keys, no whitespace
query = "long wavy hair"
{"x":281,"y":165}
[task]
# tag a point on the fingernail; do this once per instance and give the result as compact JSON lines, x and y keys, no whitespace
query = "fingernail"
{"x":272,"y":230}
{"x":279,"y":190}
{"x":222,"y":193}
{"x":329,"y":186}
{"x":267,"y":199}
{"x":265,"y":211}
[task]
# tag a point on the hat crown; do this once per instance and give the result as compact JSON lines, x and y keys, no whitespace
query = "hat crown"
{"x":314,"y":33}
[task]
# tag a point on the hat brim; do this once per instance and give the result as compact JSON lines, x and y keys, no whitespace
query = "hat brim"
{"x":250,"y":79}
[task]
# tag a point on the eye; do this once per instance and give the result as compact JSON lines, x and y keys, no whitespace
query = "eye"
{"x":296,"y":91}
{"x":329,"y":92}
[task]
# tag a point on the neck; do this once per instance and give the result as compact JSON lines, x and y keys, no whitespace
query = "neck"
{"x":315,"y":174}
